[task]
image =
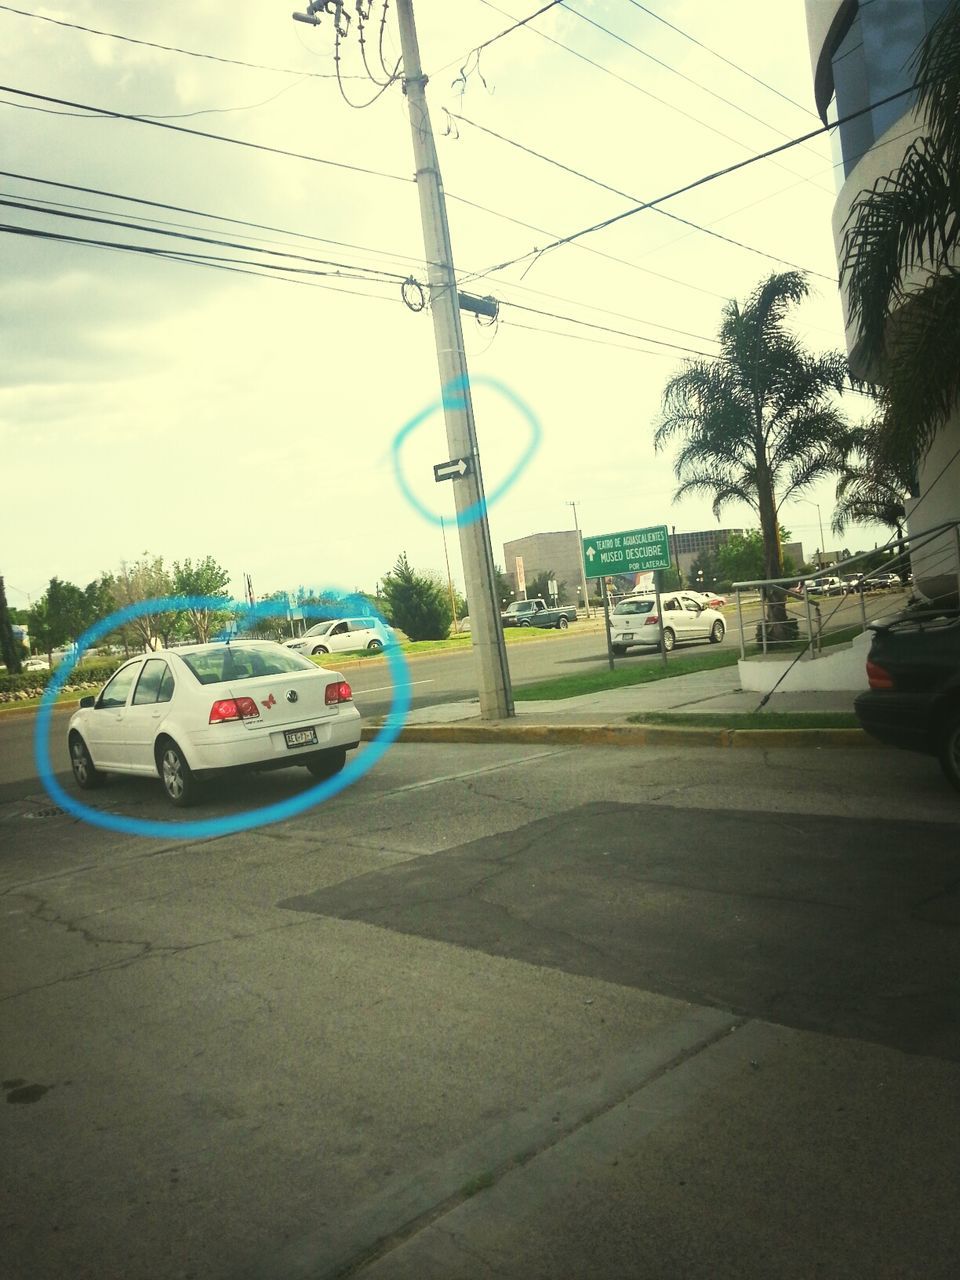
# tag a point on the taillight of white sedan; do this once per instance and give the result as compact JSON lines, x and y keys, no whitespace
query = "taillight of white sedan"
{"x":186,"y":714}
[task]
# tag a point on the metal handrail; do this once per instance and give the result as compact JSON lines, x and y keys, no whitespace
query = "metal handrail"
{"x":908,"y":545}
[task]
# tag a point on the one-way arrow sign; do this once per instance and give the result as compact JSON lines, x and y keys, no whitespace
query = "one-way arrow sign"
{"x":455,"y":469}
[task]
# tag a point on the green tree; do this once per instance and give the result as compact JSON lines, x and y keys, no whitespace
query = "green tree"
{"x":417,"y":603}
{"x":740,"y":558}
{"x":758,"y":424}
{"x":146,"y":579}
{"x":540,"y":586}
{"x":503,"y":588}
{"x":899,"y":260}
{"x":874,"y":481}
{"x":205,"y":578}
{"x":10,"y":650}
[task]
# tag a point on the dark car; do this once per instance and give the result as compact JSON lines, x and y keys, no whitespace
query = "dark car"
{"x":914,"y":698}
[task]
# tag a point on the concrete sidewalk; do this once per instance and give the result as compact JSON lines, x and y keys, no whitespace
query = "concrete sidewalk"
{"x":604,"y":718}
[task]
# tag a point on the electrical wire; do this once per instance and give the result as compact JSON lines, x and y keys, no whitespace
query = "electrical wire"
{"x":707,"y":48}
{"x":200,"y":213}
{"x":181,"y":235}
{"x":580,"y":337}
{"x":383,"y":87}
{"x":200,"y":133}
{"x":646,"y":92}
{"x":170,"y":115}
{"x":698,"y":182}
{"x":512,"y":142}
{"x":515,"y":27}
{"x":166,"y":48}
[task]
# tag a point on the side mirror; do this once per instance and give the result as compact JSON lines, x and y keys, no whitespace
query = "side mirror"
{"x":88,"y":700}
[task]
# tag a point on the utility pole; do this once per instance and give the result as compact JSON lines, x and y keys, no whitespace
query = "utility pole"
{"x":583,"y":575}
{"x":496,"y":695}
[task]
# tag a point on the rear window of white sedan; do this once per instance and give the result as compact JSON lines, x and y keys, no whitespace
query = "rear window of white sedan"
{"x":237,"y":662}
{"x":635,"y":606}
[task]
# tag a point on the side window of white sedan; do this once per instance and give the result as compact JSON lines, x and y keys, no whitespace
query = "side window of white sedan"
{"x":155,"y":683}
{"x":117,"y":690}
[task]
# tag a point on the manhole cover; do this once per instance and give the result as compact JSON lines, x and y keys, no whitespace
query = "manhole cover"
{"x":51,"y":811}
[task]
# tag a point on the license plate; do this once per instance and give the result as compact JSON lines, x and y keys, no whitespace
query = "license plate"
{"x":627,"y":635}
{"x":300,"y":737}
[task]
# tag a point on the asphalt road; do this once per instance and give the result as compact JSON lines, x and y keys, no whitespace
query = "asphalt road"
{"x":493,"y":1012}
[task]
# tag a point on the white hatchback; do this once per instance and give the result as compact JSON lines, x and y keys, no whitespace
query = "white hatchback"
{"x":635,"y":621}
{"x":340,"y":635}
{"x":205,"y":708}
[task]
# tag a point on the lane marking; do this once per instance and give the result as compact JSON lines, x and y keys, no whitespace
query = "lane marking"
{"x":384,"y":688}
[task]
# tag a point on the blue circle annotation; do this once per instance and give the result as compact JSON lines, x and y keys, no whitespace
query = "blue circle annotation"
{"x":453,"y":397}
{"x":248,"y":615}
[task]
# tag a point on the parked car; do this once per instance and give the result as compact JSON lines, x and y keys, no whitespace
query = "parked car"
{"x":885,"y":582}
{"x":914,"y":698}
{"x":537,"y":613}
{"x":710,"y":599}
{"x":853,"y":583}
{"x":35,"y":664}
{"x":824,"y":586}
{"x":340,"y":635}
{"x":635,"y":621}
{"x":203,"y":709}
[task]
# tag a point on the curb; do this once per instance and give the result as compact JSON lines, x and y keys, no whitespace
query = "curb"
{"x":608,"y":735}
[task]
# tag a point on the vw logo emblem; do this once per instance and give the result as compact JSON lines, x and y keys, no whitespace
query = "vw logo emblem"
{"x":291,"y":695}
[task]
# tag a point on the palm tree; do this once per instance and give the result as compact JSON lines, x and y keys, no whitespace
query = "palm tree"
{"x":899,"y":259}
{"x":873,"y":484}
{"x":758,"y":425}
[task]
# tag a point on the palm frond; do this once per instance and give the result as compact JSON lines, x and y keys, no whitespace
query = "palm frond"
{"x":937,"y":65}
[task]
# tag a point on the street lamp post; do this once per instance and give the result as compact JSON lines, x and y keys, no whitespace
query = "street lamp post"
{"x":811,"y":503}
{"x":583,"y":575}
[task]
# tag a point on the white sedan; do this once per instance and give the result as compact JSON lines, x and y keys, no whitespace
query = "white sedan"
{"x":635,"y":621}
{"x":205,"y":708}
{"x":344,"y":635}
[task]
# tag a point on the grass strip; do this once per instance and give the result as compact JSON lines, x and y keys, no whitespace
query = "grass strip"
{"x":644,"y":672}
{"x":750,"y":719}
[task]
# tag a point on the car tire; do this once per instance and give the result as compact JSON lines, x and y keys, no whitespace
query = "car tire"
{"x":525,"y":623}
{"x":319,"y":648}
{"x":717,"y":632}
{"x":562,"y":624}
{"x":85,"y":773}
{"x":327,"y":763}
{"x":950,"y":747}
{"x":375,"y":646}
{"x":618,"y":650}
{"x":175,"y":774}
{"x":669,"y":639}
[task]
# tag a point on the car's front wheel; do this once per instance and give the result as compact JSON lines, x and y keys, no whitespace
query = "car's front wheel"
{"x":319,"y":648}
{"x":717,"y":632}
{"x":525,"y":622}
{"x":327,"y":763}
{"x":175,"y":774}
{"x":950,"y":748}
{"x":85,"y":772}
{"x":375,"y":646}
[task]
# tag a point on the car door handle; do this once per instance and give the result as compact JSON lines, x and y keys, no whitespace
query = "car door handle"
{"x":155,"y":715}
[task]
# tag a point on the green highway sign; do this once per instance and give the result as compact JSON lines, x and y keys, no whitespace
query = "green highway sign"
{"x":636,"y":551}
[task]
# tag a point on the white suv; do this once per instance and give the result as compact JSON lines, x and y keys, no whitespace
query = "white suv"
{"x":339,"y":634}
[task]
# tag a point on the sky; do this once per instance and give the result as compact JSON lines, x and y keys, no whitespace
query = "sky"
{"x":149,"y":403}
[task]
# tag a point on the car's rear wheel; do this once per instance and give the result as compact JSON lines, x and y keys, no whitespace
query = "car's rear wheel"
{"x":562,"y":624}
{"x":327,"y":763}
{"x":669,"y":639}
{"x":375,"y":646}
{"x":319,"y":648}
{"x":175,"y":774}
{"x":950,"y":748}
{"x":717,"y":632}
{"x":85,"y":772}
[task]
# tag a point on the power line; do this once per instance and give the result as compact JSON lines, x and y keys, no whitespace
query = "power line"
{"x":603,"y":328}
{"x":521,"y":23}
{"x":198,"y":239}
{"x":674,"y":70}
{"x":166,"y":48}
{"x":699,"y":182}
{"x":200,"y":213}
{"x":200,"y":133}
{"x":580,"y":337}
{"x":639,"y":88}
{"x":696,"y":226}
{"x":708,"y":49}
